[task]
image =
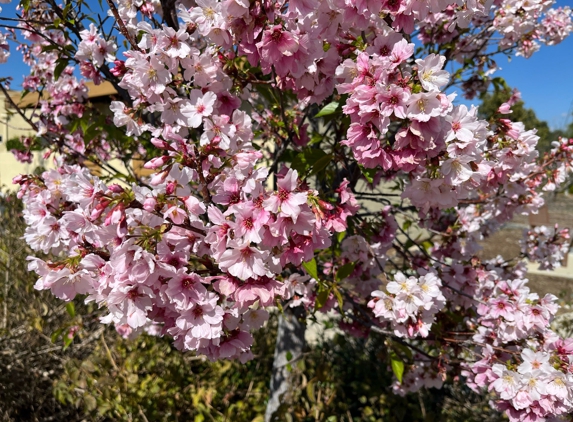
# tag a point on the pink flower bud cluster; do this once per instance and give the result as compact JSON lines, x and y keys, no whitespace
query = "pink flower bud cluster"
{"x":547,"y":246}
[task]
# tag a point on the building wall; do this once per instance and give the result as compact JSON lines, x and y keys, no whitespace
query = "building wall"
{"x":12,"y":125}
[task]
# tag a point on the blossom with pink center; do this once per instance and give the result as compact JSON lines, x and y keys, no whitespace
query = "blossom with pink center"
{"x":202,"y":321}
{"x":286,"y":199}
{"x":65,"y":284}
{"x":128,"y":304}
{"x":534,"y":361}
{"x":392,"y":100}
{"x":199,"y":106}
{"x":401,"y":51}
{"x":218,"y":131}
{"x":173,"y":43}
{"x":243,"y":261}
{"x":247,"y":223}
{"x":463,"y":123}
{"x":185,"y":288}
{"x":277,"y":43}
{"x":502,"y":307}
{"x":263,"y":289}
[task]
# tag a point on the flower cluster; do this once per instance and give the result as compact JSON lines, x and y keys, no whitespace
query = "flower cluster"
{"x":519,"y":21}
{"x":538,"y":385}
{"x":422,"y":374}
{"x":546,"y":245}
{"x":410,"y":304}
{"x":151,"y":256}
{"x":94,"y":51}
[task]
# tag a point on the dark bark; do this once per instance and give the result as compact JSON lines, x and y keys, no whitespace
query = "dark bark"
{"x":290,"y":344}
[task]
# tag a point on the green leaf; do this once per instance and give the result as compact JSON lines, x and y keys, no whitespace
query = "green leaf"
{"x":311,"y":268}
{"x":397,"y":366}
{"x":316,"y":138}
{"x":55,"y":335}
{"x":288,"y":156}
{"x":289,"y":355}
{"x":409,"y":243}
{"x":406,"y":225}
{"x":90,"y":402}
{"x":321,"y":298}
{"x":310,"y":390}
{"x":306,"y":159}
{"x":321,"y":164}
{"x":15,"y":144}
{"x":403,"y":349}
{"x":62,"y":63}
{"x":71,"y":309}
{"x":427,"y":244}
{"x":328,"y":109}
{"x":68,"y":341}
{"x":340,"y":236}
{"x":279,"y":305}
{"x":85,"y":125}
{"x":338,"y":298}
{"x":345,"y":271}
{"x":368,"y":173}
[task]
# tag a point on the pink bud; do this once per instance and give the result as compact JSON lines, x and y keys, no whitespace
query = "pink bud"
{"x":158,"y":178}
{"x":119,"y":69}
{"x":160,"y":143}
{"x":18,"y":179}
{"x":505,"y":108}
{"x":170,"y":188}
{"x":149,"y":204}
{"x":115,"y":188}
{"x":157,"y":162}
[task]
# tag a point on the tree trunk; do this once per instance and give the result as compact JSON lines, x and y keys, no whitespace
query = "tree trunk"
{"x":290,"y":344}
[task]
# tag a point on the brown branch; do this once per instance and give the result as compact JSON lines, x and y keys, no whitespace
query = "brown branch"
{"x":122,"y":27}
{"x":18,"y":110}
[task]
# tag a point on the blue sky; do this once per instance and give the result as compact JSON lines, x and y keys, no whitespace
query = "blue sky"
{"x":545,"y":80}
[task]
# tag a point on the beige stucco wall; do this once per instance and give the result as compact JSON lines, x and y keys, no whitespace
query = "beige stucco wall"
{"x":12,"y":125}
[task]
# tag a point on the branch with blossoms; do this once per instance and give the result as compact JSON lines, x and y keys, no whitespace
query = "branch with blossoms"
{"x":301,"y":154}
